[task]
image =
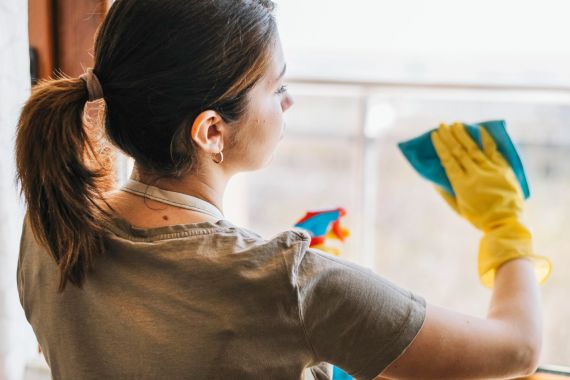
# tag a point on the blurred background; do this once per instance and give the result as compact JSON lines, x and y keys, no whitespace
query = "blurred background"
{"x":365,"y":75}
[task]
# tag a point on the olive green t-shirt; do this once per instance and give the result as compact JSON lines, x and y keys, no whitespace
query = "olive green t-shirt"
{"x":214,"y":301}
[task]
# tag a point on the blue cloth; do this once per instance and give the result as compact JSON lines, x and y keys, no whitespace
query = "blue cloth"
{"x":420,"y":152}
{"x":339,"y":374}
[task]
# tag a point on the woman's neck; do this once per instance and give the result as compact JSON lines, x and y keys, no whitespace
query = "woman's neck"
{"x":144,"y":212}
{"x":209,"y":188}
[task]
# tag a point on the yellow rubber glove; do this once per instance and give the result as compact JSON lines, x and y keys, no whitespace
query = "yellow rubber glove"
{"x":489,"y":196}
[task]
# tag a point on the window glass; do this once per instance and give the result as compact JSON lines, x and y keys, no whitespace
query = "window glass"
{"x":346,"y":155}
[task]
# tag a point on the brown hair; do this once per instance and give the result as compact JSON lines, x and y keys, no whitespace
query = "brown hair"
{"x":160,"y":63}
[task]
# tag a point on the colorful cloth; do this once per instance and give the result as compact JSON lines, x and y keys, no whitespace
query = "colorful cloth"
{"x":421,"y":154}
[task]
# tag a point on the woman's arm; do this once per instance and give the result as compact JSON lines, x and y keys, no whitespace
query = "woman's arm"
{"x":507,"y":344}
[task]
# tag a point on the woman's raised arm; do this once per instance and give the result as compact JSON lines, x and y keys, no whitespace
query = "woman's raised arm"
{"x":451,"y":345}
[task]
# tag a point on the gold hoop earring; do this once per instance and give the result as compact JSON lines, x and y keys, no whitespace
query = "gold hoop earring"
{"x":221,"y":157}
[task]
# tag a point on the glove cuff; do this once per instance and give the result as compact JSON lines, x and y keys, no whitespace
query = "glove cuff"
{"x":505,"y":243}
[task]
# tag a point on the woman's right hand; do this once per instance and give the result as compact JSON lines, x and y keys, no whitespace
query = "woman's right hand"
{"x":489,"y":196}
{"x":487,"y":192}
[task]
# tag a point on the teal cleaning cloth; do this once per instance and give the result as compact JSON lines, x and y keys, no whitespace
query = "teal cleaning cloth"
{"x":420,"y":152}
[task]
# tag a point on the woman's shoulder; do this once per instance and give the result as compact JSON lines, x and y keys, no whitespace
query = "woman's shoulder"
{"x":222,"y":233}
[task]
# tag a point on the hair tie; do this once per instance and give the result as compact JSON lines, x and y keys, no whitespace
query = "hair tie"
{"x":93,"y":85}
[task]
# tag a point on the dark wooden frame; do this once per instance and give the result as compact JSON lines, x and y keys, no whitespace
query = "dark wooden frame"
{"x":61,"y":34}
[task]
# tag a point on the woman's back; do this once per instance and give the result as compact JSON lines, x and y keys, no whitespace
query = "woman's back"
{"x":212,"y":300}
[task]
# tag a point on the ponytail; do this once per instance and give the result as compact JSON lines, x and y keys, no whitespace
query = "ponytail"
{"x":61,"y":186}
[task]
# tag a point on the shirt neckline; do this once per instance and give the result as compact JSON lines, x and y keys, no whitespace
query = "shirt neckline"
{"x":174,"y":198}
{"x":124,"y":229}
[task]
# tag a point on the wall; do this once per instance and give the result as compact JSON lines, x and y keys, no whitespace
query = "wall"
{"x":17,"y":342}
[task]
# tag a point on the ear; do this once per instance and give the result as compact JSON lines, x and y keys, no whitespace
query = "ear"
{"x":207,"y":131}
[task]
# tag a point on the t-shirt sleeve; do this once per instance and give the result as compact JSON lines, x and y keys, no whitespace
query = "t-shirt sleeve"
{"x":352,"y":317}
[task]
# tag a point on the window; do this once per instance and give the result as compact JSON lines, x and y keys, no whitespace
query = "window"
{"x":333,"y":156}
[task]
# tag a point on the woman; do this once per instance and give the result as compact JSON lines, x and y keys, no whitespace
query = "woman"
{"x":160,"y":285}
